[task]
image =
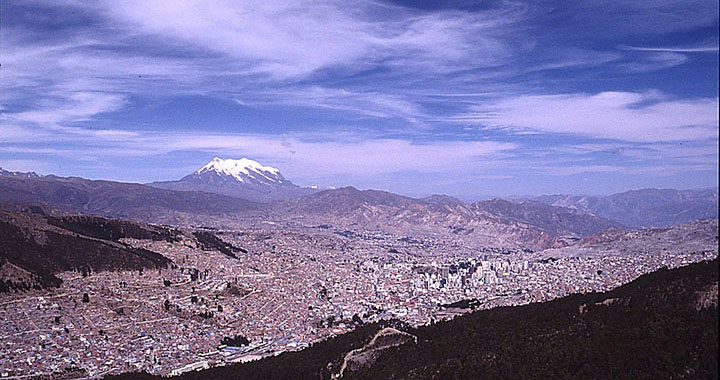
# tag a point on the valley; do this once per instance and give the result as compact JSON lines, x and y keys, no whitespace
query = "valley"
{"x":167,"y":282}
{"x":284,"y":291}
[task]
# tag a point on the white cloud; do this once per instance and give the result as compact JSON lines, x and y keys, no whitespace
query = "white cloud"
{"x":294,"y":38}
{"x":574,"y":58}
{"x":54,"y":117}
{"x":611,"y":115}
{"x":253,"y":52}
{"x":370,"y":103}
{"x":650,"y":170}
{"x":351,"y":58}
{"x":14,"y":133}
{"x":655,"y":61}
{"x":74,"y":107}
{"x":700,"y":49}
{"x":579,"y":169}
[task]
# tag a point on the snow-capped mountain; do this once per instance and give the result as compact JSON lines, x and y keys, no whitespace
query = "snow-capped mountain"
{"x":7,"y":173}
{"x":244,"y":170}
{"x":243,"y":178}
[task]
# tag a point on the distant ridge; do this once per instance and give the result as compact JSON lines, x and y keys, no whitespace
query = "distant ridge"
{"x":7,"y":173}
{"x":644,"y":208}
{"x":494,"y":223}
{"x":552,"y":221}
{"x":120,"y":199}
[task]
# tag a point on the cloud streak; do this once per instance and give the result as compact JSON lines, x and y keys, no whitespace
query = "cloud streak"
{"x":701,"y":49}
{"x":295,"y":38}
{"x":627,"y":116}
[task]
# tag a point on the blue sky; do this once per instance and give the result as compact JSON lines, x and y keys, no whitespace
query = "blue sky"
{"x":468,"y":98}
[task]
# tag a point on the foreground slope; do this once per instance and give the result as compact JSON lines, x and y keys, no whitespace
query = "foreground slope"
{"x":662,"y":325}
{"x":34,"y":247}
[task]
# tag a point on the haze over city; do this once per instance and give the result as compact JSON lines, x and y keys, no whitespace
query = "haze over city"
{"x":467,"y":98}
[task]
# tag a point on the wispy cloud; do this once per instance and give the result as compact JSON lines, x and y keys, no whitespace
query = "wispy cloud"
{"x":610,"y":115}
{"x":579,"y":169}
{"x":75,"y":107}
{"x":655,"y":61}
{"x":699,"y":49}
{"x":370,"y":103}
{"x":256,"y":53}
{"x":295,"y":38}
{"x":632,"y":17}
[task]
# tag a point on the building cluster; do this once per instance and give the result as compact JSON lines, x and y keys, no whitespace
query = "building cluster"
{"x":288,"y":291}
{"x":468,"y":274}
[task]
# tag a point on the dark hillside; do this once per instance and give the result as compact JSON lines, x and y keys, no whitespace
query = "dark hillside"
{"x":209,"y":241}
{"x":36,"y":250}
{"x":112,"y":229}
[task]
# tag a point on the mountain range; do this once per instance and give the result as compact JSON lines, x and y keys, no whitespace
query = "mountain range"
{"x":497,"y":222}
{"x":217,"y":194}
{"x":644,"y":208}
{"x":7,"y":173}
{"x":119,"y":199}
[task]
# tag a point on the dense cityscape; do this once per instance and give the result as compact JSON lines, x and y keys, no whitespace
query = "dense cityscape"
{"x":283,"y":293}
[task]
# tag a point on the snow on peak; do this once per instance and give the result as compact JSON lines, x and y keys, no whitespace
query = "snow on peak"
{"x":241,"y":169}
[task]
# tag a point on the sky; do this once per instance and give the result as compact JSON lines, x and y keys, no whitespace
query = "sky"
{"x":466,"y":98}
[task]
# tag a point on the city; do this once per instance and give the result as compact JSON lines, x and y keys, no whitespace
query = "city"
{"x":288,"y":291}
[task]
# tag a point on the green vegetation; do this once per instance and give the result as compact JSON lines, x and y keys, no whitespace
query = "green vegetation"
{"x":31,"y":245}
{"x":237,"y":341}
{"x":112,"y":229}
{"x":209,"y":241}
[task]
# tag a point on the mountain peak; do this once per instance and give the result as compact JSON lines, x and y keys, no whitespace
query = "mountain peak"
{"x":243,"y":178}
{"x":242,"y":169}
{"x":8,"y":173}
